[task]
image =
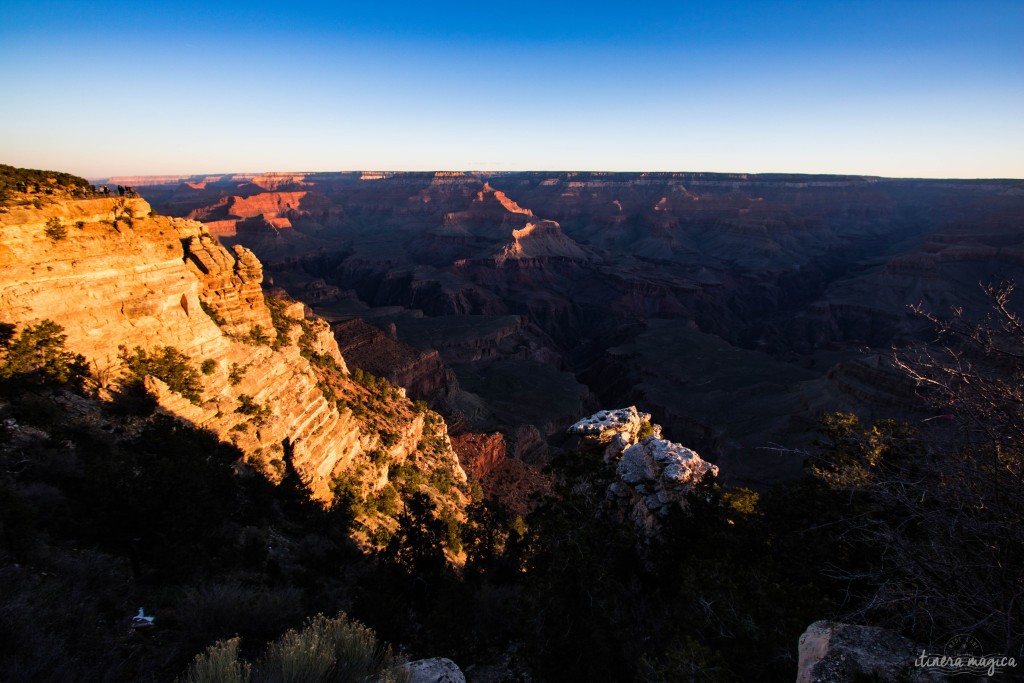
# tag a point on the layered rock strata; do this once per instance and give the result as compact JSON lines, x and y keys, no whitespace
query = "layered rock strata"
{"x":151,"y":282}
{"x":421,"y":372}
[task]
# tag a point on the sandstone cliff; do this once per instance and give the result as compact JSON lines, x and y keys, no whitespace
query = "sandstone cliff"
{"x":120,"y":278}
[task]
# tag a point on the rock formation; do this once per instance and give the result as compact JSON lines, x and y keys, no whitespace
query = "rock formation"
{"x":617,"y":430}
{"x":421,"y":373}
{"x":435,"y":670}
{"x":619,"y":274}
{"x":831,"y":652}
{"x":652,"y":475}
{"x":123,"y":278}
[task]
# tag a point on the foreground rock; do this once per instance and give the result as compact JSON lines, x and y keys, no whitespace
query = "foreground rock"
{"x":436,"y":670}
{"x":119,"y":278}
{"x":832,"y":652}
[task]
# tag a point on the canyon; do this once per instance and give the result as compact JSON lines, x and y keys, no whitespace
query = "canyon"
{"x":735,"y":308}
{"x":123,"y":282}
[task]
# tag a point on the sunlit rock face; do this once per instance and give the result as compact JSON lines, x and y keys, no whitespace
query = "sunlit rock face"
{"x":603,"y":425}
{"x":149,"y":281}
{"x":654,"y":476}
{"x":616,"y":429}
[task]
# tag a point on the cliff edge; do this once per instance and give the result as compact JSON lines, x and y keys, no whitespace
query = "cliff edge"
{"x":119,"y":278}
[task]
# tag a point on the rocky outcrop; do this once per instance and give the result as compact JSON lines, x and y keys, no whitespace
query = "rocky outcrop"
{"x":832,"y":652}
{"x":480,"y":454}
{"x":603,"y":425}
{"x":231,"y":288}
{"x":616,"y":430}
{"x":115,"y":285}
{"x":436,"y":670}
{"x":653,"y":475}
{"x":543,"y":239}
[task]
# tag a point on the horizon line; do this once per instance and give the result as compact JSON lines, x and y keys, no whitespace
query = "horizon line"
{"x":473,"y":172}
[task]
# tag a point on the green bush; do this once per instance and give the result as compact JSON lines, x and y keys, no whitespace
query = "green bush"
{"x":235,"y":374}
{"x":257,"y":336}
{"x":208,"y":366}
{"x":38,"y":352}
{"x":55,"y":229}
{"x":248,"y":406}
{"x":167,"y":364}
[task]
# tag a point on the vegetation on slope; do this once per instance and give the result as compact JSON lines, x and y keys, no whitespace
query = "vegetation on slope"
{"x":103,"y":512}
{"x":14,"y":181}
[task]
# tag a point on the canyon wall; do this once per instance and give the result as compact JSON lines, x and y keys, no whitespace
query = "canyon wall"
{"x":122,"y":277}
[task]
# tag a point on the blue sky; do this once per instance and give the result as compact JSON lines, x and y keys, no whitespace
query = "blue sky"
{"x":897,"y":88}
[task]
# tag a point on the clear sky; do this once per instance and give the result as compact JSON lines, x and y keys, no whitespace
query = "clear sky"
{"x":899,"y":88}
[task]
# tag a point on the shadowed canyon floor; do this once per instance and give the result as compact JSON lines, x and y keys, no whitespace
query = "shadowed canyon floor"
{"x":735,"y":308}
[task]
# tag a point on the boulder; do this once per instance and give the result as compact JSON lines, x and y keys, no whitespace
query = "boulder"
{"x":832,"y":652}
{"x":435,"y":670}
{"x":653,"y":476}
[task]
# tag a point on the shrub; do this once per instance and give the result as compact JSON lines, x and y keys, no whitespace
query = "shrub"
{"x":645,"y":430}
{"x":167,"y":364}
{"x":248,"y":406}
{"x":219,"y":664}
{"x":257,"y":336}
{"x":326,"y":650}
{"x":38,"y":352}
{"x":55,"y":229}
{"x":281,"y":322}
{"x":208,"y":366}
{"x":235,"y":374}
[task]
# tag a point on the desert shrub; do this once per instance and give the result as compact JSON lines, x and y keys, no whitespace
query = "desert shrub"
{"x":55,"y":229}
{"x":167,"y":364}
{"x":326,"y":650}
{"x":208,"y":366}
{"x":257,"y":336}
{"x":38,"y":354}
{"x":645,"y":430}
{"x":248,"y":406}
{"x":235,"y":374}
{"x":219,"y":664}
